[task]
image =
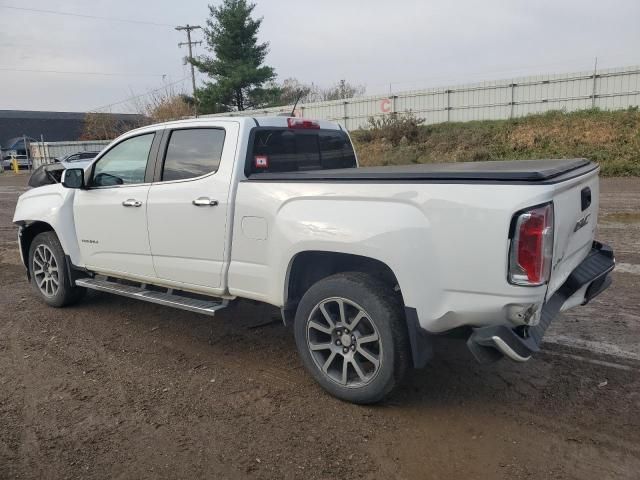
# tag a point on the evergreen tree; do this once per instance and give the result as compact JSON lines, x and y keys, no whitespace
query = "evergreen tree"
{"x":237,"y":69}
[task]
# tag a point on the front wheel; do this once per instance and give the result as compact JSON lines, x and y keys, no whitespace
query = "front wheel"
{"x":49,"y":277}
{"x":351,"y":335}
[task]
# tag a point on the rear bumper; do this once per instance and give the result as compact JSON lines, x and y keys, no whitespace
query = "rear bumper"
{"x":492,"y":343}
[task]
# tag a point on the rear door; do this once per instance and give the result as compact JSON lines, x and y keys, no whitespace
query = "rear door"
{"x":575,"y":205}
{"x":188,"y":204}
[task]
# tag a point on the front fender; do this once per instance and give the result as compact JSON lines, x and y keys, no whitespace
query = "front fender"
{"x":51,"y":204}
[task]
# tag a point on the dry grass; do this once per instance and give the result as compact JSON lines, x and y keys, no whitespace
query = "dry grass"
{"x":610,"y":138}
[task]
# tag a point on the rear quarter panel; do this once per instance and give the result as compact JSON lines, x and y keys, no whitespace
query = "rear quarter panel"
{"x":446,"y":243}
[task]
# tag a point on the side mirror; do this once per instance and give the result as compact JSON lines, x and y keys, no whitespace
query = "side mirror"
{"x":73,"y":178}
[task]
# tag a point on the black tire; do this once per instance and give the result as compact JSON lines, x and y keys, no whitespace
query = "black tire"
{"x":362,"y":294}
{"x":66,"y":293}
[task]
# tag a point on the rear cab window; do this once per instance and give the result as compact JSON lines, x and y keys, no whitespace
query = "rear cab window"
{"x":275,"y":149}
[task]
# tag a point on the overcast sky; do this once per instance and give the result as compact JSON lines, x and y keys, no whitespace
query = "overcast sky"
{"x":408,"y":44}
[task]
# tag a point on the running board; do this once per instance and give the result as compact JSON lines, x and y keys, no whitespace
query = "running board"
{"x":169,"y":299}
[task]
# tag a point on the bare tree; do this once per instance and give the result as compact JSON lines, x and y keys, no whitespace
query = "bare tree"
{"x":342,"y":90}
{"x":164,"y":105}
{"x":104,"y":126}
{"x":291,"y":88}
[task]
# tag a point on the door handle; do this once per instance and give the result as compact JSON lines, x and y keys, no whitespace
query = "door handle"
{"x":132,"y":203}
{"x":204,"y":202}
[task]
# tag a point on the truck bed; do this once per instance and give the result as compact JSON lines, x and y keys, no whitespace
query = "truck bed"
{"x":513,"y":171}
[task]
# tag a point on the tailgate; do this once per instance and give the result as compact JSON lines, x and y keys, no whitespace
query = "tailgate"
{"x":575,"y":205}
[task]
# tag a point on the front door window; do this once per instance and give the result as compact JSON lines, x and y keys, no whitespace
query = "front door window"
{"x":125,"y":163}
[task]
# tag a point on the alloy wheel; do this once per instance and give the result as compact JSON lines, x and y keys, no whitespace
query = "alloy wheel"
{"x":45,"y":271}
{"x":344,"y":342}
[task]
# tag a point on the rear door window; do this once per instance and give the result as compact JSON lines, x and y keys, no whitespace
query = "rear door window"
{"x":286,"y":150}
{"x":192,"y":153}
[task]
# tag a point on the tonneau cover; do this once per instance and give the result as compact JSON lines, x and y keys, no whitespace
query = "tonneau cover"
{"x":494,"y":171}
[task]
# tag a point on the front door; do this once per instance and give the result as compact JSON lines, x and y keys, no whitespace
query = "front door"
{"x":188,"y":203}
{"x":111,"y":214}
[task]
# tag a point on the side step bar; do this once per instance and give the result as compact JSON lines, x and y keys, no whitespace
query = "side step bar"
{"x":169,"y":299}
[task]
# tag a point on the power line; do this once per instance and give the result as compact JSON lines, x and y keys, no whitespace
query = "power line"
{"x":107,"y":74}
{"x":96,"y":17}
{"x":138,"y":96}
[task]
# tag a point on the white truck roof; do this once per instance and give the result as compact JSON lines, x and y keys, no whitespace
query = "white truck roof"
{"x":263,"y":121}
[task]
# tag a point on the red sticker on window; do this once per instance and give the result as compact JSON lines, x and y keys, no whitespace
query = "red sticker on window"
{"x":261,"y":161}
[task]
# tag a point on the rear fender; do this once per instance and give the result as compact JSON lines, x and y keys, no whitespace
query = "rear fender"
{"x":394,"y":233}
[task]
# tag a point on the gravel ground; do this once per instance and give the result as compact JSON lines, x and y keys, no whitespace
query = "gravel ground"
{"x":114,"y":388}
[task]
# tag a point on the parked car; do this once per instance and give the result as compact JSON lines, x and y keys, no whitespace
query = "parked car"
{"x":52,"y":173}
{"x":16,"y":147}
{"x":367,"y":264}
{"x":23,"y":162}
{"x":78,"y":160}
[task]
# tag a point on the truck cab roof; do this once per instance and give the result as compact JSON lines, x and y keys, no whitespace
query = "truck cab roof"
{"x":259,"y":121}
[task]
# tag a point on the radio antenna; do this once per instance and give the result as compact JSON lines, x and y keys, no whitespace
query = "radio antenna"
{"x":293,"y":110}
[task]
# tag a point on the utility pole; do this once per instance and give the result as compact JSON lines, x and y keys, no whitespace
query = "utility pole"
{"x":26,"y":150}
{"x":189,"y":43}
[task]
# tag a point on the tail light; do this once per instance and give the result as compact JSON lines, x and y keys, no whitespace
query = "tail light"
{"x":531,"y":246}
{"x":293,"y":122}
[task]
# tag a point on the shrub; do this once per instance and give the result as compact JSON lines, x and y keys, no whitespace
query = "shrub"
{"x":393,"y":127}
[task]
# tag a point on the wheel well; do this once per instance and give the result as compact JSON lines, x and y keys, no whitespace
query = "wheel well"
{"x":308,"y":268}
{"x":29,"y":232}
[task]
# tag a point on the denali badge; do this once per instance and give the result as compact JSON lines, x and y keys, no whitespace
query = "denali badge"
{"x":581,"y":223}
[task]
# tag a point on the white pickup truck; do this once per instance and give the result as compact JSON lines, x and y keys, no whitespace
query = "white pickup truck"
{"x":367,"y":264}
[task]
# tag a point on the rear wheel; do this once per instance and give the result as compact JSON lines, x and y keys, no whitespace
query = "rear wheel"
{"x":49,"y":276}
{"x":351,"y":335}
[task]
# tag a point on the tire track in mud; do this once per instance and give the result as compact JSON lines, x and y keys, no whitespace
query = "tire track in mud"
{"x":30,"y":451}
{"x":602,"y":348}
{"x":631,"y":268}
